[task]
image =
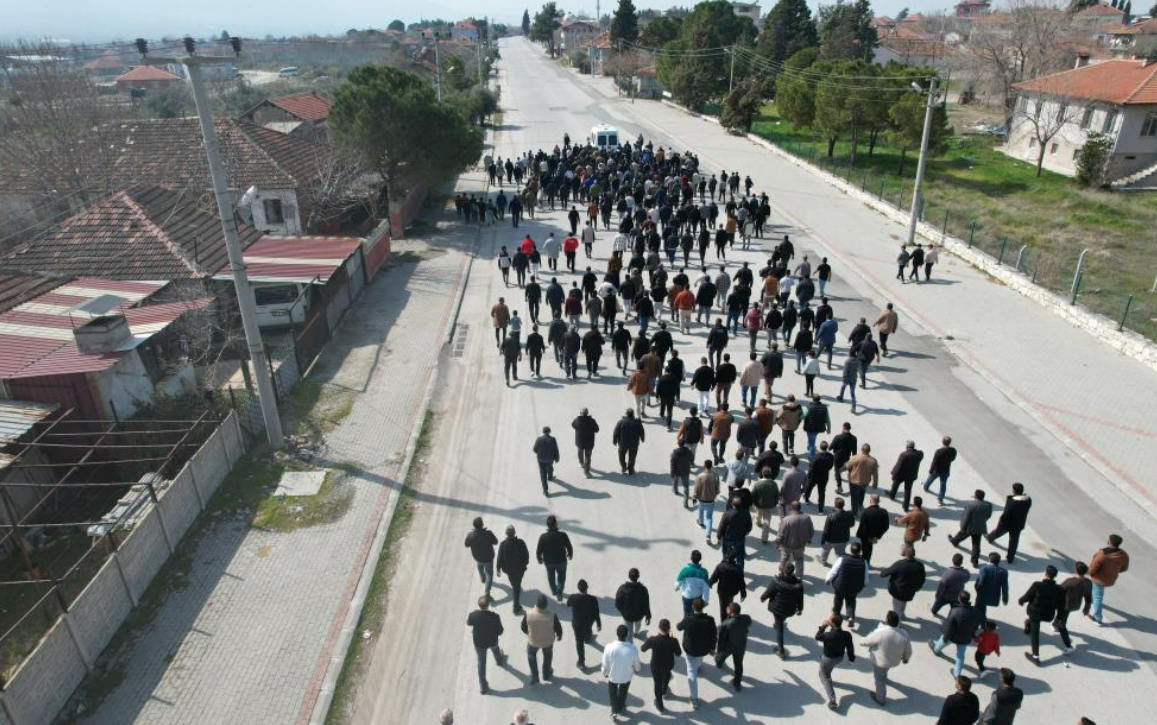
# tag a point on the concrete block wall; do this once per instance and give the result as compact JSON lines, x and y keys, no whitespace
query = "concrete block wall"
{"x":49,"y":675}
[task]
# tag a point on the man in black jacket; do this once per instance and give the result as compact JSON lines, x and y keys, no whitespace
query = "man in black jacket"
{"x":941,"y":468}
{"x":784,"y":597}
{"x":817,"y":475}
{"x":513,"y":558}
{"x":661,"y":342}
{"x":627,"y":436}
{"x":554,"y":551}
{"x":584,"y":617}
{"x":836,"y":643}
{"x":837,"y":531}
{"x":961,"y":707}
{"x":844,"y":446}
{"x":703,"y":380}
{"x":535,"y":346}
{"x":621,"y":342}
{"x":572,"y":343}
{"x":772,"y":362}
{"x":905,"y":472}
{"x":1012,"y":520}
{"x":633,"y":602}
{"x":699,"y":638}
{"x":667,"y":389}
{"x":905,"y":578}
{"x":481,"y":542}
{"x":485,"y":628}
{"x":728,"y":581}
{"x":733,"y":642}
{"x":664,"y":649}
{"x":592,"y":346}
{"x":682,"y":458}
{"x":511,"y":353}
{"x":957,"y":629}
{"x":874,"y":523}
{"x":725,"y":376}
{"x":1005,"y":701}
{"x":546,"y":453}
{"x":1043,"y":600}
{"x":585,"y":428}
{"x":716,"y":342}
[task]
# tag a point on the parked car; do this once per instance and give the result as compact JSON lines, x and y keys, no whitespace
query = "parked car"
{"x":289,"y":71}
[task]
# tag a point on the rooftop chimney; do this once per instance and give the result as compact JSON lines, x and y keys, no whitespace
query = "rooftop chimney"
{"x":102,"y":334}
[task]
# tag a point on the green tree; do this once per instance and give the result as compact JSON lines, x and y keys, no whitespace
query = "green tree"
{"x":900,"y":16}
{"x":743,"y":103}
{"x":695,"y":80}
{"x":906,"y":115}
{"x":795,"y":91}
{"x":788,"y":29}
{"x":625,"y":23}
{"x":846,"y":31}
{"x":1093,"y":160}
{"x":393,"y":119}
{"x":476,"y":104}
{"x":397,"y":25}
{"x":173,"y":102}
{"x":660,"y":31}
{"x":526,"y":23}
{"x":1128,"y":9}
{"x":546,"y":21}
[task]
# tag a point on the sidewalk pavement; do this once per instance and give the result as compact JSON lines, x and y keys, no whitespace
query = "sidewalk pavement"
{"x":247,"y":636}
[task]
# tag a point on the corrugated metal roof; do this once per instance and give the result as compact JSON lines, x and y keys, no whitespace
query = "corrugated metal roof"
{"x":18,"y":417}
{"x":295,"y":259}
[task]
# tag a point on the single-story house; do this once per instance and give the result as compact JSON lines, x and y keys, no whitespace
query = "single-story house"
{"x":1114,"y":97}
{"x":106,"y":67}
{"x":747,"y":10}
{"x":464,"y":30}
{"x":145,"y":78}
{"x":298,"y":114}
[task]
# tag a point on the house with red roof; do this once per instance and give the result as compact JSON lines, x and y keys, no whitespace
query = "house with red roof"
{"x":105,"y":68}
{"x":464,"y":30}
{"x":1138,"y":40}
{"x":298,"y":114}
{"x":1116,"y":97}
{"x":145,"y":78}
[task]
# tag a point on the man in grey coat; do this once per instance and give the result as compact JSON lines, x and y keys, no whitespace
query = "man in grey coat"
{"x":546,"y":452}
{"x":973,"y":524}
{"x":795,"y":533}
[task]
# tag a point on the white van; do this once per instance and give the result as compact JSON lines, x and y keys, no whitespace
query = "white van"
{"x":603,"y":136}
{"x":289,"y":71}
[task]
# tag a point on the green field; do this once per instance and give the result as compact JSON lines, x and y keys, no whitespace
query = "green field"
{"x":999,"y":202}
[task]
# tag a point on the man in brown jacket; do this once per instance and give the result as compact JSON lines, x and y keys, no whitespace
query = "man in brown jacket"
{"x":916,"y":523}
{"x":500,"y":317}
{"x":766,"y":420}
{"x":639,"y":384}
{"x":652,"y":364}
{"x":887,"y":323}
{"x":1107,"y":564}
{"x":789,"y":418}
{"x":720,"y":429}
{"x":862,"y":470}
{"x":705,"y":492}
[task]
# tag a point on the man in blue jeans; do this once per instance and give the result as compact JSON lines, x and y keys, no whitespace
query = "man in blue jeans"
{"x":485,"y":628}
{"x":941,"y":464}
{"x":546,"y":452}
{"x":554,"y":551}
{"x":705,"y":492}
{"x":958,"y":627}
{"x":1107,"y":564}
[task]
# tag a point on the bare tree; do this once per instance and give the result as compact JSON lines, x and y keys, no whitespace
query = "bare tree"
{"x":1029,"y":38}
{"x":1042,"y":118}
{"x":626,"y":65}
{"x":340,"y":185}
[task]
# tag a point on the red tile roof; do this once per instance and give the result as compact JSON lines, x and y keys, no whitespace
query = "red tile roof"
{"x":16,"y":289}
{"x":1101,"y":9}
{"x":145,"y":233}
{"x":148,"y":73}
{"x":306,"y":106}
{"x":1123,"y":82}
{"x":1145,"y":27}
{"x":295,"y":259}
{"x":105,"y":62}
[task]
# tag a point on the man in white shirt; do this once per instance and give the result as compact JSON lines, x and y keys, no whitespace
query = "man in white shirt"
{"x":889,"y":646}
{"x":620,"y":663}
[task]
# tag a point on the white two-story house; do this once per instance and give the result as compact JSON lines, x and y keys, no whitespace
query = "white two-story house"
{"x":1115,"y":97}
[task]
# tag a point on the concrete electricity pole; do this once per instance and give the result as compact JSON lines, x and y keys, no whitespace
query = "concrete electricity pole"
{"x":918,"y":188}
{"x":731,"y":82}
{"x":241,"y":285}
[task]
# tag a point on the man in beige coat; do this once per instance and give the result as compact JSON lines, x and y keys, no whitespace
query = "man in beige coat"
{"x":887,"y":323}
{"x":749,"y":381}
{"x":863,"y":470}
{"x":500,"y":316}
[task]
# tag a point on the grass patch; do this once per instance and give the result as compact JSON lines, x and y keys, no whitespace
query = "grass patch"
{"x":977,"y":193}
{"x":315,"y":408}
{"x":377,"y":595}
{"x":289,"y":513}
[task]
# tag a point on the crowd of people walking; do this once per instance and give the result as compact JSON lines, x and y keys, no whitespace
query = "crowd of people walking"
{"x":664,"y":215}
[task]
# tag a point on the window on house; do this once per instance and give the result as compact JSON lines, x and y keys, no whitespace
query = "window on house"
{"x":1021,"y":104}
{"x":1032,"y":142}
{"x":1087,"y":117}
{"x":274,"y":214}
{"x":1110,"y":121}
{"x":1054,"y":147}
{"x":1149,"y":125}
{"x":1076,"y":154}
{"x":1037,"y":106}
{"x":1062,"y":117}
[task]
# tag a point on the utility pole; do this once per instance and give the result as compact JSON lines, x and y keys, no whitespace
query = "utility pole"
{"x":731,"y":83}
{"x":918,"y":188}
{"x":244,"y":291}
{"x":437,"y":64}
{"x":478,"y":49}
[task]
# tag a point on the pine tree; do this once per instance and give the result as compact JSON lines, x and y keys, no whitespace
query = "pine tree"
{"x":625,"y":23}
{"x":526,"y":21}
{"x":1128,"y":8}
{"x":788,"y":29}
{"x":846,"y":31}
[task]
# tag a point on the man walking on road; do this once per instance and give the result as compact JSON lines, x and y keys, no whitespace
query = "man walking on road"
{"x":1107,"y":564}
{"x":874,"y":524}
{"x":481,"y":542}
{"x":513,"y":558}
{"x":1043,"y":600}
{"x":511,"y":352}
{"x":664,"y":649}
{"x":973,"y":524}
{"x":941,"y":468}
{"x":627,"y":436}
{"x":906,"y":471}
{"x":633,"y":602}
{"x":620,"y":663}
{"x":887,"y":324}
{"x":691,"y":582}
{"x":863,"y":470}
{"x":991,"y":585}
{"x":542,"y":630}
{"x":705,"y":492}
{"x":584,"y":617}
{"x":784,"y":597}
{"x":836,"y":643}
{"x":795,"y":533}
{"x":905,"y":578}
{"x":486,"y":628}
{"x":961,"y":707}
{"x":1012,"y":520}
{"x":958,"y":629}
{"x":843,"y":447}
{"x":733,"y":642}
{"x":1005,"y":701}
{"x":837,"y":532}
{"x":546,"y":453}
{"x":554,"y":551}
{"x":889,"y":647}
{"x":699,"y":638}
{"x":585,"y":428}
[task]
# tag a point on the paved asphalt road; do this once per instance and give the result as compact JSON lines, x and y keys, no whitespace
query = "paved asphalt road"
{"x":481,"y":464}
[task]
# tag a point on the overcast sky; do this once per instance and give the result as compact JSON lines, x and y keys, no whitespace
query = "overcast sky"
{"x":95,"y":20}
